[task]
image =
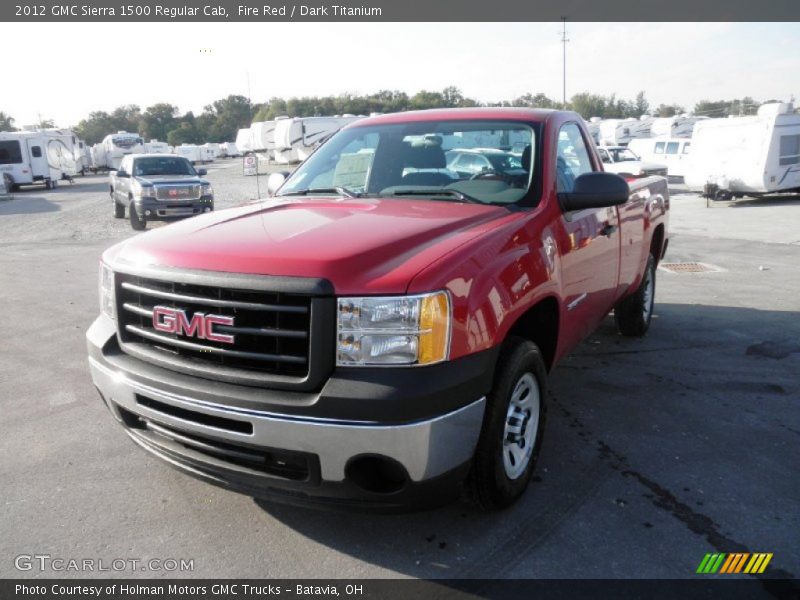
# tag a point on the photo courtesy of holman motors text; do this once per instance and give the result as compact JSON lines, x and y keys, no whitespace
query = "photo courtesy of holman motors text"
{"x":383,"y":299}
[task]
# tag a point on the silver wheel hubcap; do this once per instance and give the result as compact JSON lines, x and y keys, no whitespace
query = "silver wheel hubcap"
{"x":649,"y":288}
{"x":522,"y":425}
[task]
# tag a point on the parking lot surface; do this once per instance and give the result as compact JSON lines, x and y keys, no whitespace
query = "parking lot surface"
{"x":656,"y":452}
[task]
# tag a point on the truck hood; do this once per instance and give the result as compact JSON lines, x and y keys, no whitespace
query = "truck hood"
{"x":166,"y":179}
{"x":362,"y":246}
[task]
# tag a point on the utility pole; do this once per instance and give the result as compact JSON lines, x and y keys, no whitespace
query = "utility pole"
{"x":564,"y":41}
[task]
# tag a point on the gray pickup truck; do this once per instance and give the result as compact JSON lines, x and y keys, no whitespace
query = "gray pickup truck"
{"x":158,"y":187}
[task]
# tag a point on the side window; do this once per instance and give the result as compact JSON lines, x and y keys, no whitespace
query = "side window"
{"x":790,"y":150}
{"x":672,"y":148}
{"x":605,"y":157}
{"x":659,"y":148}
{"x":36,"y":151}
{"x":572,"y":157}
{"x":483,"y":163}
{"x":686,"y":147}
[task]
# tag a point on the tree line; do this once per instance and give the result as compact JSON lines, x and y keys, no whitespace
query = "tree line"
{"x":220,"y":120}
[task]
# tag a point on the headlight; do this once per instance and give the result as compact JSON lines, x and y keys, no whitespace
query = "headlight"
{"x":393,"y":330}
{"x":207,"y":190}
{"x":144,"y":191}
{"x":107,"y":291}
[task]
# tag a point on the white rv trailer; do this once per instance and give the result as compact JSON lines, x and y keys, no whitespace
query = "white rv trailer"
{"x":156,"y":147}
{"x":680,"y":126}
{"x":297,"y":138}
{"x":213,"y":149}
{"x":262,"y":135}
{"x":24,"y":160}
{"x":120,"y":144}
{"x":619,"y":132}
{"x":206,"y":153}
{"x":673,"y":152}
{"x":190,"y":152}
{"x":64,"y":150}
{"x":750,"y":156}
{"x":98,"y":156}
{"x":229,"y":149}
{"x":244,"y":140}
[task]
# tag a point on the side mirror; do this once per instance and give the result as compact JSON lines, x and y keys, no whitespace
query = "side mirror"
{"x":202,"y":172}
{"x":275,"y":181}
{"x":595,"y":190}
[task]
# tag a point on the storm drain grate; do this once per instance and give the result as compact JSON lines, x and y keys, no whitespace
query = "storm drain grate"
{"x":690,"y":267}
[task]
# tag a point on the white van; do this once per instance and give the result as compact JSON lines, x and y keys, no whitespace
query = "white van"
{"x":24,"y":160}
{"x":673,"y":152}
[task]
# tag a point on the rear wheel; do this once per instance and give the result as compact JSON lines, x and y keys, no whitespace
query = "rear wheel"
{"x":509,"y":443}
{"x":137,"y":222}
{"x":632,"y":315}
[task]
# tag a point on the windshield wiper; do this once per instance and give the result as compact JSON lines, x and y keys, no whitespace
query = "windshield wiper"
{"x":454,"y":194}
{"x":342,"y":191}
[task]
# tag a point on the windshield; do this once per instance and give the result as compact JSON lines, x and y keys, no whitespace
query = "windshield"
{"x":162,"y":165}
{"x":623,"y":154}
{"x":480,"y":161}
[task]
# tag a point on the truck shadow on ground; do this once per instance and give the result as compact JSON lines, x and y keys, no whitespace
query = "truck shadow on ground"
{"x":26,"y":205}
{"x":618,"y":405}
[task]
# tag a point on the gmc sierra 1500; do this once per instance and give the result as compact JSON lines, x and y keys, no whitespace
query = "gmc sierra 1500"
{"x":381,"y":329}
{"x":158,"y":187}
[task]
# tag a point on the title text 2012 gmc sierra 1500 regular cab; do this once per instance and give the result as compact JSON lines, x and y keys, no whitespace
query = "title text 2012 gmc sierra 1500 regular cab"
{"x":158,"y":187}
{"x":381,"y":329}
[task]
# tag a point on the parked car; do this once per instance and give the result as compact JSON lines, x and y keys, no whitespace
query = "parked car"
{"x":372,"y":337}
{"x":625,"y":162}
{"x":471,"y":162}
{"x":158,"y":187}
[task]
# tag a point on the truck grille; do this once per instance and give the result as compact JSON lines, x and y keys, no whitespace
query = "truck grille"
{"x":178,"y":192}
{"x":271,"y":331}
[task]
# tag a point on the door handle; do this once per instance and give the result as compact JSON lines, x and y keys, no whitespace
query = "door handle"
{"x":608,"y":230}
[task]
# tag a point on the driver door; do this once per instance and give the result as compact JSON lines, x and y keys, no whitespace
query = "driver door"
{"x":590,"y":245}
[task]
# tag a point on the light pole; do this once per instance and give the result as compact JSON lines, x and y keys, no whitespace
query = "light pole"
{"x":564,"y":41}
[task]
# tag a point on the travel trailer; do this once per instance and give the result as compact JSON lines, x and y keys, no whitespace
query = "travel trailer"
{"x":212,"y":149}
{"x":116,"y":146}
{"x":229,"y":149}
{"x":747,"y":156}
{"x":190,"y":152}
{"x":619,"y":132}
{"x":207,"y":153}
{"x":262,"y":136}
{"x":64,"y":150}
{"x":673,"y":152}
{"x":24,"y":160}
{"x":244,"y":140}
{"x":680,"y":126}
{"x":297,"y":138}
{"x":156,"y":147}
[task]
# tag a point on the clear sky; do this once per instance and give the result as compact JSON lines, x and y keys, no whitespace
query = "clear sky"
{"x":64,"y":71}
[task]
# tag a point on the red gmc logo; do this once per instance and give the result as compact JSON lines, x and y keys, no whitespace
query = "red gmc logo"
{"x":173,"y":193}
{"x":201,"y":325}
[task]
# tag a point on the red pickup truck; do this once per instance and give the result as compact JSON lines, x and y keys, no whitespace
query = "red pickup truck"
{"x":380,"y":330}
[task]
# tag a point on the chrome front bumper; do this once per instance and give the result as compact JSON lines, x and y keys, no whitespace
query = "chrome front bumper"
{"x":426,"y":449}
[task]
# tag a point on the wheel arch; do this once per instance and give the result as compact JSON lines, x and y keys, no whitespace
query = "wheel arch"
{"x":540,"y":324}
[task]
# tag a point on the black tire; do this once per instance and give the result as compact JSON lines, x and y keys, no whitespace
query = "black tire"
{"x":138,"y":223}
{"x":48,"y":184}
{"x":119,"y":209}
{"x":633,"y":314}
{"x":489,"y":484}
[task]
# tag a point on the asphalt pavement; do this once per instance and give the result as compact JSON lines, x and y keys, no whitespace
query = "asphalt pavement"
{"x":657,"y":451}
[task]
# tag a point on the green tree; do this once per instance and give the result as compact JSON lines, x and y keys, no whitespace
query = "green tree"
{"x":6,"y":122}
{"x":158,"y":120}
{"x":641,"y":104}
{"x":669,"y":110}
{"x":185,"y":133}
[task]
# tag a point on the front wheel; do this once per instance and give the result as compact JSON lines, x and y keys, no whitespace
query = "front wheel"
{"x":137,"y":222}
{"x":632,"y":314}
{"x":509,"y":443}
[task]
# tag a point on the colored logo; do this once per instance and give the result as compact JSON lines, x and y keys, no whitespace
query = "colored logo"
{"x":738,"y":562}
